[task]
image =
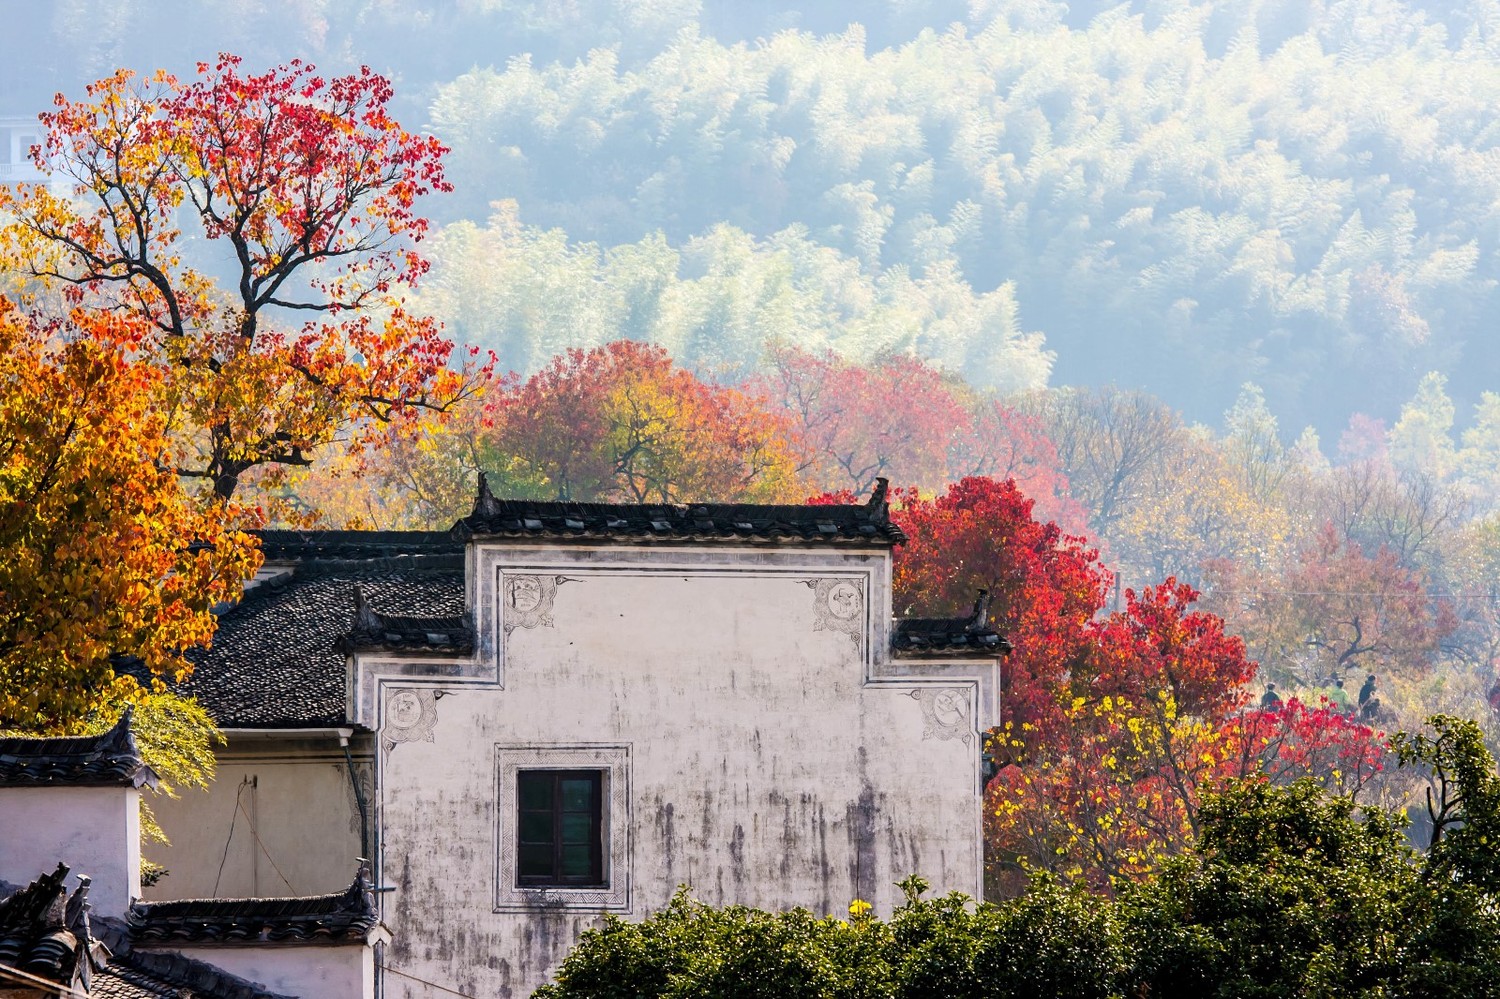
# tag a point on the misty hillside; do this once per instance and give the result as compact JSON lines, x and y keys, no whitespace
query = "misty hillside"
{"x":1179,"y":196}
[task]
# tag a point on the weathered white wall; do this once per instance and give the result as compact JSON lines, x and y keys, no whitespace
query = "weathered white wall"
{"x":296,"y":812}
{"x":96,"y":831}
{"x":768,"y":761}
{"x":345,"y":971}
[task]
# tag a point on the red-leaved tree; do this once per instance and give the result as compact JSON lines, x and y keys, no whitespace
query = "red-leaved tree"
{"x":310,"y":187}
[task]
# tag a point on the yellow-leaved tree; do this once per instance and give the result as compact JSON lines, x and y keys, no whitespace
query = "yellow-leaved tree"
{"x":101,"y":549}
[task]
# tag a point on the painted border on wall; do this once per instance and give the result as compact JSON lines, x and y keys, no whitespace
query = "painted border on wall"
{"x":619,"y":820}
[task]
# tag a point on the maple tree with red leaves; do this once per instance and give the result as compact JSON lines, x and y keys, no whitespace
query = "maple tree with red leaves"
{"x":1339,"y":611}
{"x":312,"y":187}
{"x":892,"y":418}
{"x":1115,"y":724}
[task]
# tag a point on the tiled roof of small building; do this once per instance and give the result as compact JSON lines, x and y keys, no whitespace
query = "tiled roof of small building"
{"x":342,"y":917}
{"x":140,"y":974}
{"x":374,"y":630}
{"x":278,"y":657}
{"x":306,"y":546}
{"x":44,"y":931}
{"x":860,"y":523}
{"x":950,"y":636}
{"x":108,"y":759}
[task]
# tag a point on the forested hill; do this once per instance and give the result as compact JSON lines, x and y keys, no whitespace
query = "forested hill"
{"x":1180,"y":195}
{"x":1182,"y":202}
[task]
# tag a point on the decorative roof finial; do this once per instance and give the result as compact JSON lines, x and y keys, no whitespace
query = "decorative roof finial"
{"x":119,"y":739}
{"x":878,"y":503}
{"x":980,"y":621}
{"x":366,"y":621}
{"x":485,"y":504}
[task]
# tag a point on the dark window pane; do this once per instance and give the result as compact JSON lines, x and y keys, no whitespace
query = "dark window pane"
{"x":576,"y":861}
{"x":578,"y":795}
{"x":536,"y":827}
{"x":558,"y":835}
{"x":535,"y":861}
{"x":536,"y":790}
{"x":577,"y":829}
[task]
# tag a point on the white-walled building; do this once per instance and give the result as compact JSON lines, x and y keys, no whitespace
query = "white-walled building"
{"x":563,"y":710}
{"x":70,"y":811}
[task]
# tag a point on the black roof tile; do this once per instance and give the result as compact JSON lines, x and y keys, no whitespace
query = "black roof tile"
{"x":949,"y":636}
{"x":862,"y":523}
{"x":305,"y":546}
{"x":141,"y":974}
{"x":109,"y":759}
{"x":278,"y":657}
{"x":342,"y":917}
{"x":374,"y":630}
{"x":44,"y":931}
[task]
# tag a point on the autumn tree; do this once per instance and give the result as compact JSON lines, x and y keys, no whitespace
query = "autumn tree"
{"x":1107,"y":440}
{"x":893,"y":418}
{"x":623,"y":422}
{"x":101,"y":550}
{"x":310,"y":186}
{"x":1341,"y":611}
{"x":1045,"y":586}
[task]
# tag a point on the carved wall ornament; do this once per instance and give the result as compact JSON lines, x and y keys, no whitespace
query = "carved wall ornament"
{"x":945,"y":713}
{"x":410,"y":716}
{"x":839,"y":605}
{"x":527,"y":600}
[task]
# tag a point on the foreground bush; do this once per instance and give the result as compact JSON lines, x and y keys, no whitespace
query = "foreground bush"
{"x":1286,"y":893}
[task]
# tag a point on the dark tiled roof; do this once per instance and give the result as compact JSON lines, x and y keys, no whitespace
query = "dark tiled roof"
{"x":374,"y":630}
{"x":861,"y":523}
{"x":949,"y":636}
{"x":343,"y":917}
{"x":105,"y":760}
{"x":44,"y":931}
{"x":304,"y":546}
{"x":139,"y":974}
{"x":278,"y":658}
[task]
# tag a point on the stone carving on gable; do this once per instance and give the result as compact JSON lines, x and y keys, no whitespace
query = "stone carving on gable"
{"x":945,"y":713}
{"x":839,"y":605}
{"x":410,"y":716}
{"x":527,"y":600}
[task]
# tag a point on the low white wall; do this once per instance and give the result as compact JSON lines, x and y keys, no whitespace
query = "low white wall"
{"x":312,"y":971}
{"x":96,"y":831}
{"x":293,"y":814}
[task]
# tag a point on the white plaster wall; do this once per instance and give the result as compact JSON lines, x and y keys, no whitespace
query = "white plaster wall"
{"x":764,"y":766}
{"x":311,"y":972}
{"x":96,"y":831}
{"x":298,"y":815}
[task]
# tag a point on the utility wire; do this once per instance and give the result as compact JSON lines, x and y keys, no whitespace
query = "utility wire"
{"x":434,"y":985}
{"x":263,"y":849}
{"x":233,"y":817}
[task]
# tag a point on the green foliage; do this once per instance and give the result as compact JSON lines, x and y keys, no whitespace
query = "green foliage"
{"x":1055,"y":941}
{"x":1221,"y":187}
{"x":1287,"y":894}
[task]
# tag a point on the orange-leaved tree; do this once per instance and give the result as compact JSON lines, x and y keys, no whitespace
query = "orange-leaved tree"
{"x":310,"y":186}
{"x":101,"y":550}
{"x":623,"y":422}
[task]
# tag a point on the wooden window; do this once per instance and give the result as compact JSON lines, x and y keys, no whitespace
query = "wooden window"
{"x":560,"y":828}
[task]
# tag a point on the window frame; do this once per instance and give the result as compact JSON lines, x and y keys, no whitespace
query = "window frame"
{"x":598,"y":779}
{"x":616,"y":827}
